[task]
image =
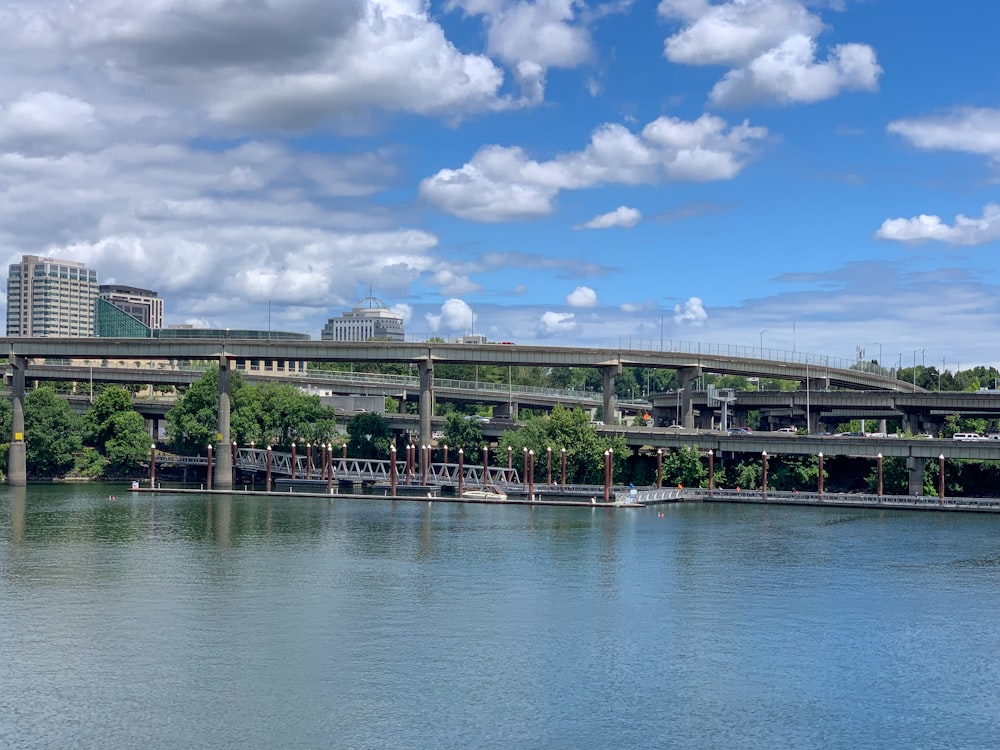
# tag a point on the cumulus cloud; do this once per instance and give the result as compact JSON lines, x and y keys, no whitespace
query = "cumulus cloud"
{"x":771,"y":47}
{"x":623,"y":216}
{"x":532,"y":37}
{"x":965,"y":230}
{"x":582,"y":296}
{"x":556,"y":324}
{"x":692,"y":311}
{"x":975,"y":130}
{"x":274,"y":63}
{"x":503,"y":183}
{"x":455,"y":316}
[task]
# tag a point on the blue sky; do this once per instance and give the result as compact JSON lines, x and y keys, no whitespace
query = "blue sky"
{"x":811,"y":175}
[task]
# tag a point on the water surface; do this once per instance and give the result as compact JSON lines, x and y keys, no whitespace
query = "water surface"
{"x":215,"y":621}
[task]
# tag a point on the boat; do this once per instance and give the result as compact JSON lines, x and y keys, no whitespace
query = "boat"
{"x":485,"y":493}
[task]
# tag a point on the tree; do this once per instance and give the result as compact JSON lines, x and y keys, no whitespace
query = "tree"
{"x":193,"y":421}
{"x":276,"y":414}
{"x":117,"y":431}
{"x":569,"y":429}
{"x":370,"y":436}
{"x":683,"y":466}
{"x":53,"y":433}
{"x":462,"y":432}
{"x":128,"y":443}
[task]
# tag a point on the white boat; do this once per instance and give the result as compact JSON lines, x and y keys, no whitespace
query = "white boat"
{"x":485,"y":493}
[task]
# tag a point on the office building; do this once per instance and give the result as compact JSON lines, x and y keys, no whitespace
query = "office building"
{"x":142,"y":304}
{"x":50,"y":297}
{"x":369,"y":320}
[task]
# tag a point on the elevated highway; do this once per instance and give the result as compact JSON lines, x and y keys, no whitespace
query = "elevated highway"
{"x":229,"y":353}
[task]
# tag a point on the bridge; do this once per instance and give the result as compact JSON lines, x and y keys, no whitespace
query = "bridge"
{"x":689,"y":362}
{"x":412,"y":471}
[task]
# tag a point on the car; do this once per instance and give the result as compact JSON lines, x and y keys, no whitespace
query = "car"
{"x":849,"y":434}
{"x":675,"y":427}
{"x":788,"y":431}
{"x":740,"y":431}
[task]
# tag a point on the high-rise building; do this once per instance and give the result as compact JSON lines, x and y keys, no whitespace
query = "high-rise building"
{"x":369,"y":320}
{"x":50,"y":297}
{"x":120,"y":307}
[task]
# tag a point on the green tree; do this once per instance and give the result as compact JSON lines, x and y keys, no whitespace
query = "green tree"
{"x":464,"y":433}
{"x":569,"y":429}
{"x":193,"y":421}
{"x":370,"y":436}
{"x":277,"y":413}
{"x":683,"y":466}
{"x":127,"y":445}
{"x":53,"y":433}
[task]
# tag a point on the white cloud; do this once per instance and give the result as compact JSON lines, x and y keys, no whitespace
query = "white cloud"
{"x":771,"y":46}
{"x":692,"y":311}
{"x":532,"y":37}
{"x":556,"y":324}
{"x":790,"y":73}
{"x":965,"y":230}
{"x":582,"y":296}
{"x":975,"y":130}
{"x":503,"y":183}
{"x":623,"y":216}
{"x":287,"y":64}
{"x":451,"y":282}
{"x":455,"y":317}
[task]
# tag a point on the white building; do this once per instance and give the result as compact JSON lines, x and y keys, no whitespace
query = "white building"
{"x":142,"y":304}
{"x":369,"y":320}
{"x":50,"y":297}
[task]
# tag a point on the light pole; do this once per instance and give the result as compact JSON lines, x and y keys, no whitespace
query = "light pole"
{"x":762,"y":343}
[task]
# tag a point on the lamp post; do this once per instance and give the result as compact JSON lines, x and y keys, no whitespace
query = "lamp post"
{"x":762,"y":343}
{"x":548,"y":466}
{"x":563,"y":452}
{"x":763,"y":482}
{"x":819,"y":478}
{"x":878,"y":459}
{"x":208,"y":482}
{"x":711,"y":472}
{"x":267,"y":469}
{"x":152,"y":466}
{"x":392,"y":468}
{"x":294,"y":461}
{"x":941,"y":478}
{"x":461,"y":471}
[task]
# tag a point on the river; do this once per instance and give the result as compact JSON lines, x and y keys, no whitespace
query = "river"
{"x":195,"y":621}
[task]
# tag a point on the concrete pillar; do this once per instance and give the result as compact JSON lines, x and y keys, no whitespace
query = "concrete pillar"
{"x":915,"y":475}
{"x":911,"y":423}
{"x":608,"y":373}
{"x":686,"y":377}
{"x":223,"y":442}
{"x":426,"y":370}
{"x":17,"y":465}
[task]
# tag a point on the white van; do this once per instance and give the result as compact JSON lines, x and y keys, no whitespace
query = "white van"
{"x":967,"y":436}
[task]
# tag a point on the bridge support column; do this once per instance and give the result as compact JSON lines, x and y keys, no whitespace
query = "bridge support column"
{"x":17,"y":467}
{"x":426,"y":369}
{"x":609,"y":403}
{"x":223,"y":445}
{"x":686,"y":377}
{"x":911,"y":423}
{"x":915,"y":475}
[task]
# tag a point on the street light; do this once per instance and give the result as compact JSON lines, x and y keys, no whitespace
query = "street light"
{"x":762,"y":343}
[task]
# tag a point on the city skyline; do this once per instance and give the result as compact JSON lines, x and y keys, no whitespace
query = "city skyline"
{"x":817,"y":176}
